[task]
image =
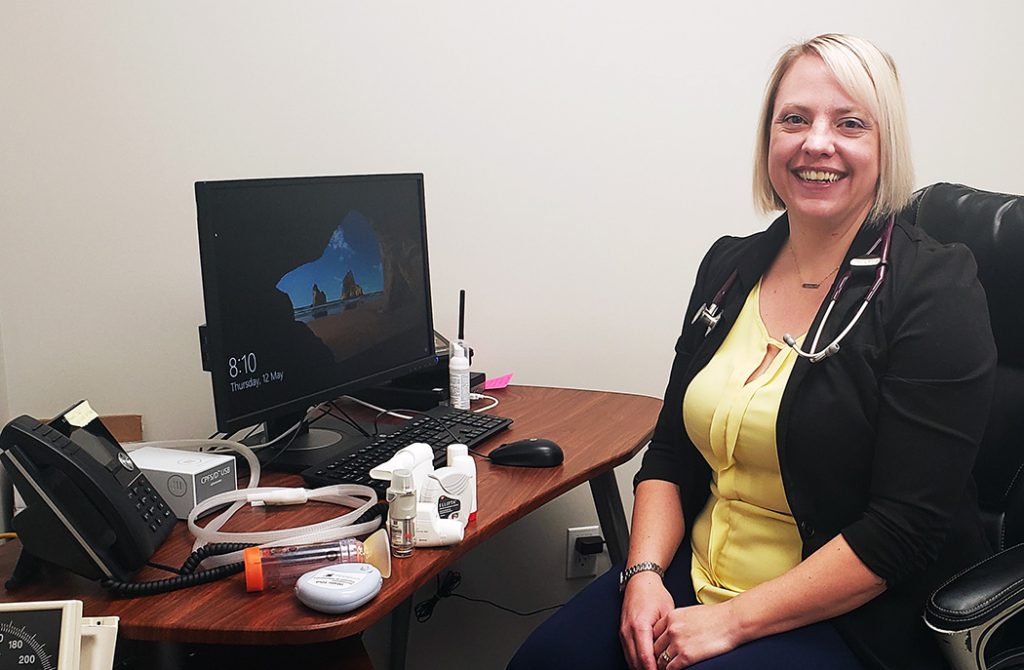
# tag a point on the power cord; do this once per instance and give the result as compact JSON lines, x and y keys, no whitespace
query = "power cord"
{"x":483,"y":396}
{"x":295,"y":430}
{"x":376,"y":428}
{"x":446,"y":589}
{"x":333,"y":405}
{"x":444,"y":426}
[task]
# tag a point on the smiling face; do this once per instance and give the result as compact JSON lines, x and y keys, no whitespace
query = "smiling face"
{"x":823,"y":155}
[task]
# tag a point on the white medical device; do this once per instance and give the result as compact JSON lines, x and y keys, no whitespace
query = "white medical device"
{"x":449,"y":491}
{"x":339,"y":588}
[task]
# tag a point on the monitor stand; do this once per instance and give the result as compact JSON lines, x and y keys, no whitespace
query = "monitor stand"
{"x":309,"y":447}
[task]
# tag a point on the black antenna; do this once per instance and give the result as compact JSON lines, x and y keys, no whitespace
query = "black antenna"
{"x":462,"y":313}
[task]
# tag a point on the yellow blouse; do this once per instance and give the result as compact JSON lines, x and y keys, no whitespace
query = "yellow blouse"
{"x":745,"y":534}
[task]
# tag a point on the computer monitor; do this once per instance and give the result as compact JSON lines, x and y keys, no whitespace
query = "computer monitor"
{"x":314,"y":287}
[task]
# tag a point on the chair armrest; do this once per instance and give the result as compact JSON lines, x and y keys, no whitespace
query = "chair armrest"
{"x":991,"y":590}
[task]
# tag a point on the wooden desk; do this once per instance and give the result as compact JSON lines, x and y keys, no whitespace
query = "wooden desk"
{"x":597,"y":431}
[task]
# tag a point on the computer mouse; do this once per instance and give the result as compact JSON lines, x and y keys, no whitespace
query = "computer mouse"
{"x":535,"y":452}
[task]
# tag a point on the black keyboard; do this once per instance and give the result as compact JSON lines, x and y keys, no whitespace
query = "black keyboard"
{"x":354,"y":466}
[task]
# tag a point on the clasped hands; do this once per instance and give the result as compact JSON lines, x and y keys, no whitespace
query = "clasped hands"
{"x":658,"y":636}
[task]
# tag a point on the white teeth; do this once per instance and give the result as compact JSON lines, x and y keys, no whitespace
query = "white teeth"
{"x":817,"y":175}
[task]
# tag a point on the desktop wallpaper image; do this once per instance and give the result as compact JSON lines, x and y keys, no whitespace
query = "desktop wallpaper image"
{"x":349,"y":268}
{"x":340,"y":296}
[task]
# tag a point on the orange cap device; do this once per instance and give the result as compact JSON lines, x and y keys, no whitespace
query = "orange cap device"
{"x":270,"y":567}
{"x":253,"y":569}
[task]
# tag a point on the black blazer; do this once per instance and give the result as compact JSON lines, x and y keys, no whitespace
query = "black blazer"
{"x":876,"y":442}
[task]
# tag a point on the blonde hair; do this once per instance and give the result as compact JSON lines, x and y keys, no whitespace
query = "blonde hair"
{"x":869,"y":76}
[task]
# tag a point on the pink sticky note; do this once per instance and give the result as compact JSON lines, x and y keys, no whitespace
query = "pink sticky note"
{"x":497,"y":382}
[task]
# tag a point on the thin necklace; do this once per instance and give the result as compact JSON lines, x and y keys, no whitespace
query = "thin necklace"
{"x":807,"y":284}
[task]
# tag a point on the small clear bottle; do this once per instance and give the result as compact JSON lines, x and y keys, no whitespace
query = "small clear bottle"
{"x":401,"y":497}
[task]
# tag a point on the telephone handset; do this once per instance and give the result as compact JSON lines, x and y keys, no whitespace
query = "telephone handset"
{"x":89,"y":508}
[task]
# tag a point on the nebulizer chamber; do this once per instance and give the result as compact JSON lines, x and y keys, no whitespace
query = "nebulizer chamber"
{"x":271,"y":567}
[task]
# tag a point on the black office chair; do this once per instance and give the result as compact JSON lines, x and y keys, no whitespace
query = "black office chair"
{"x":973,"y":615}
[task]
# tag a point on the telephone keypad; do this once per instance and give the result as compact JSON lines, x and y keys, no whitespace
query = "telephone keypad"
{"x":149,"y":504}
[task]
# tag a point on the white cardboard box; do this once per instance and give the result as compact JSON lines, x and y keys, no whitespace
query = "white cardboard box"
{"x":186,"y":478}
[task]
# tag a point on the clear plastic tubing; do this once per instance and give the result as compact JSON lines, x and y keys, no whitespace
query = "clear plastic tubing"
{"x":273,"y":567}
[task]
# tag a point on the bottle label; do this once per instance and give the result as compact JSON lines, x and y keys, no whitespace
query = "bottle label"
{"x":449,"y":508}
{"x":458,"y":389}
{"x":401,"y":532}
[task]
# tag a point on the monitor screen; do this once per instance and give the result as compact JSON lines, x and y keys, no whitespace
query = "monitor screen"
{"x":314,"y":287}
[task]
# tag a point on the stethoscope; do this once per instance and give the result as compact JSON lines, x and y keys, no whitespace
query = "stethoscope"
{"x":709,"y":313}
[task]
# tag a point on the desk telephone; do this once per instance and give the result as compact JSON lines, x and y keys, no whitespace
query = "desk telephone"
{"x":89,"y":508}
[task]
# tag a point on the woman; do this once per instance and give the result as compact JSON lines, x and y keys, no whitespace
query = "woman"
{"x":805,"y":509}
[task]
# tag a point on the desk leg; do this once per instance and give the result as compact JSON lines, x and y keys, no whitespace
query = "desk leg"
{"x":605,"y":490}
{"x":400,"y":633}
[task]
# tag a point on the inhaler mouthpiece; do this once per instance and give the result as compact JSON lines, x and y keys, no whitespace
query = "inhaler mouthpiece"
{"x":378,"y":552}
{"x":433,"y":531}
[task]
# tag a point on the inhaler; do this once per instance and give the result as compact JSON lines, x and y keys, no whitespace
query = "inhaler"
{"x":458,"y":376}
{"x":401,"y":497}
{"x":459,"y":458}
{"x":449,"y":493}
{"x":417,"y":458}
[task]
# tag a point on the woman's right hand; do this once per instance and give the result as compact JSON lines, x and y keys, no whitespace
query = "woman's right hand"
{"x":644,"y":603}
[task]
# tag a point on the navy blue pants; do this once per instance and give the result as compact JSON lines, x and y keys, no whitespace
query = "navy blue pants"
{"x":585,"y":634}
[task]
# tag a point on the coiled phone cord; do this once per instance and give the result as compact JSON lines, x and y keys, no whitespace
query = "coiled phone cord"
{"x":188,"y":577}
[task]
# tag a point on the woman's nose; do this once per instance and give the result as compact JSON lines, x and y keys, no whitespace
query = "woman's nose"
{"x":819,"y":140}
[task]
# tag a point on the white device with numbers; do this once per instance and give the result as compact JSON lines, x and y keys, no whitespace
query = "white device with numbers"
{"x":53,"y":635}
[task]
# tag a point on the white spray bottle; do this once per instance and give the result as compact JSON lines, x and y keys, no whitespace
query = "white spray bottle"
{"x":458,"y":376}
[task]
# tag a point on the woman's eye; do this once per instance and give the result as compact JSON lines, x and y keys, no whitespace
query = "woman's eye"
{"x":793,"y":119}
{"x":852,"y":124}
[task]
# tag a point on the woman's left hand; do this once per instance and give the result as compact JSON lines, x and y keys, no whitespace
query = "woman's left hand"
{"x":691,"y":634}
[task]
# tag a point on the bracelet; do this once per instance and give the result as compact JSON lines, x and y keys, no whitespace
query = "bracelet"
{"x":633,"y":570}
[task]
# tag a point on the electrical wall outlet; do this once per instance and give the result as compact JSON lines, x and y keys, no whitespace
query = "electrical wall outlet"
{"x":576,"y":564}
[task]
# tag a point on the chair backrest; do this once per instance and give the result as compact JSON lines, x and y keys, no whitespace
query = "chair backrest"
{"x":992,"y":226}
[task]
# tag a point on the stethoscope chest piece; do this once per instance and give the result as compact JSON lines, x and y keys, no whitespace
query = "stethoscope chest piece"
{"x":708,"y":316}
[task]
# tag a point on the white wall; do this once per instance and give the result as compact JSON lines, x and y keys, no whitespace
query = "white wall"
{"x":6,"y":500}
{"x":579,"y":158}
{"x":4,"y":410}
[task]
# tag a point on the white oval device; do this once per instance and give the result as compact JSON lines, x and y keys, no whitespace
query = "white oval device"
{"x":339,"y":588}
